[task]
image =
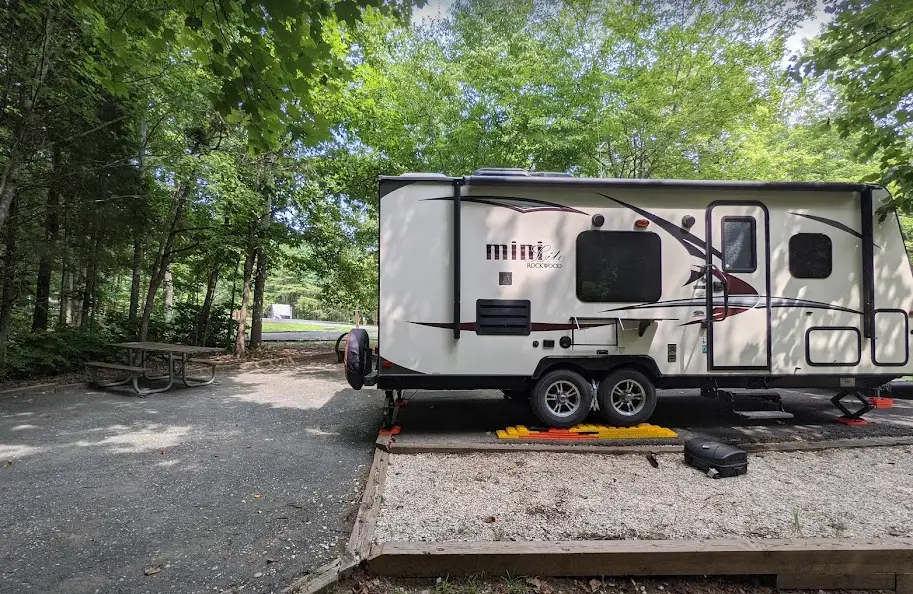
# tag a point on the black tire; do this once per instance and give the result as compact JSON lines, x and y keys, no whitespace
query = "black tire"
{"x":357,"y":357}
{"x":549,"y":387}
{"x":634,"y":402}
{"x":340,"y":352}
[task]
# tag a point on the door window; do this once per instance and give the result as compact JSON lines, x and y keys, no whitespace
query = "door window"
{"x":740,"y":253}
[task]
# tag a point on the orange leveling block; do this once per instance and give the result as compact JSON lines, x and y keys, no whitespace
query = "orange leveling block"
{"x":586,"y":432}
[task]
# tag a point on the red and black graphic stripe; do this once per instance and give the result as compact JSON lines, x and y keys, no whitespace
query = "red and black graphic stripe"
{"x":533,"y":327}
{"x":521,"y":205}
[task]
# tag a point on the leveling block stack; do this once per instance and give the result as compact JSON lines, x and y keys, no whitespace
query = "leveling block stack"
{"x":584,"y":432}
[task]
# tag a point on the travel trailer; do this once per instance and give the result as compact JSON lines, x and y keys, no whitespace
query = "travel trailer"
{"x":583,"y":294}
{"x":280,"y":311}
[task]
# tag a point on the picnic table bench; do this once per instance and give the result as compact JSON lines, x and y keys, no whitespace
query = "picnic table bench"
{"x":177,"y":358}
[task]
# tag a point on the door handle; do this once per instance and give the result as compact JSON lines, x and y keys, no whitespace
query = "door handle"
{"x":724,"y":282}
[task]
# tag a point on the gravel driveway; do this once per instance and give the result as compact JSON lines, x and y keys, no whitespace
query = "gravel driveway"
{"x":240,"y":486}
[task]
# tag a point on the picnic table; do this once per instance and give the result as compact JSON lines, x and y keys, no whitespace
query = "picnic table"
{"x":139,"y":355}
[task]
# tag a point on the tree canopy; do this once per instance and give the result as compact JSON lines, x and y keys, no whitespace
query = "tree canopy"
{"x":168,"y":165}
{"x":866,"y":54}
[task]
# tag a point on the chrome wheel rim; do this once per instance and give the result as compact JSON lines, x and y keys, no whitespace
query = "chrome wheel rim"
{"x":562,"y":398}
{"x":628,"y":397}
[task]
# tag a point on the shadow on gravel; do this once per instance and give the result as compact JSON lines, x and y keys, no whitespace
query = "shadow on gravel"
{"x":249,"y":482}
{"x":443,"y":416}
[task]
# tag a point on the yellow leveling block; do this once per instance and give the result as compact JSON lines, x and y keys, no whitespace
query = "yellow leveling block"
{"x":580,"y":432}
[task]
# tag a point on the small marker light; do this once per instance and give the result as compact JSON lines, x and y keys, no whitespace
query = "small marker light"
{"x":641,"y":223}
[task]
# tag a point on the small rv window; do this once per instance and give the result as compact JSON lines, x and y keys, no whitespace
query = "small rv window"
{"x":810,"y":255}
{"x":739,"y":251}
{"x":619,"y":267}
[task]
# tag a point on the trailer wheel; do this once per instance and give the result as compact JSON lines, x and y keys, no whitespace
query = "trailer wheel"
{"x":357,"y":357}
{"x":626,"y":398}
{"x":561,"y":398}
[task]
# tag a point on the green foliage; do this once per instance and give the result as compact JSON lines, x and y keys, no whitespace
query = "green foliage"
{"x":267,"y":59}
{"x":60,"y":351}
{"x":185,"y":325}
{"x":866,"y":53}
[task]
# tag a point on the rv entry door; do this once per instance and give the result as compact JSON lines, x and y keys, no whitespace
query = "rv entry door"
{"x":738,"y":283}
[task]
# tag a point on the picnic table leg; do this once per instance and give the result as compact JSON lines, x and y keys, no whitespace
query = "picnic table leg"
{"x":151,"y":376}
{"x":191,"y":382}
{"x":93,"y":375}
{"x":143,"y":392}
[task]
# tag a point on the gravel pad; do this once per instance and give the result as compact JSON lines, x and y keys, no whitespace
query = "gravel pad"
{"x":544,"y":496}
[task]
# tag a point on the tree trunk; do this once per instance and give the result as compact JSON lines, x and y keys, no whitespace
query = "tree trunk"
{"x":169,"y":295}
{"x":241,"y":335}
{"x":87,"y":295}
{"x":92,"y":285}
{"x":162,"y":261}
{"x":136,"y":280}
{"x":202,"y":334}
{"x":256,"y":323}
{"x":8,"y":187}
{"x":9,"y":277}
{"x":63,"y":299}
{"x":46,"y":261}
{"x":75,"y":301}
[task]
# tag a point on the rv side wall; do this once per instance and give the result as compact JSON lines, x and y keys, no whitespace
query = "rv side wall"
{"x":524,"y":244}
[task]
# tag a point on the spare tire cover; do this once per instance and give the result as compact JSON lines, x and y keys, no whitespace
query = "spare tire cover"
{"x":357,"y":357}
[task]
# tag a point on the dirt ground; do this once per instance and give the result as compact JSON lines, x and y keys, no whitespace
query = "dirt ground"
{"x":363,"y":584}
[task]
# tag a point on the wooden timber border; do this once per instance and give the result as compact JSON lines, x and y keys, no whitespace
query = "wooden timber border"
{"x":394,"y":446}
{"x":798,"y":563}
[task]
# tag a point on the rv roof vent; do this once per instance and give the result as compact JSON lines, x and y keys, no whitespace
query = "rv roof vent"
{"x":500,"y":171}
{"x":551,"y":174}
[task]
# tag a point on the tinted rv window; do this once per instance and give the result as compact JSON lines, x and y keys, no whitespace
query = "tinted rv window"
{"x":619,"y":267}
{"x":739,"y":251}
{"x":810,"y":255}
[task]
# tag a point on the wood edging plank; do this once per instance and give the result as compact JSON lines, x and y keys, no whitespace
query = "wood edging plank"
{"x":270,"y":362}
{"x":52,"y":387}
{"x":366,"y":519}
{"x":836,"y":581}
{"x":41,"y":388}
{"x":322,"y":578}
{"x":904,"y":582}
{"x":643,"y":557}
{"x":398,"y":447}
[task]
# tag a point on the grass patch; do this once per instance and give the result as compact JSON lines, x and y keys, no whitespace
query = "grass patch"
{"x":270,"y":326}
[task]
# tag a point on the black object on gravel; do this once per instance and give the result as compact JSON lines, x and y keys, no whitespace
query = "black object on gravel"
{"x":718,"y":460}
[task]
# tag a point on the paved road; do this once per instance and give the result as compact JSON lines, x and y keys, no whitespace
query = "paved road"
{"x":307,"y":335}
{"x":240,"y":486}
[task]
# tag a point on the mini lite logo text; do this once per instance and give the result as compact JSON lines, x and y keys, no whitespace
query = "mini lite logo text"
{"x":537,"y":255}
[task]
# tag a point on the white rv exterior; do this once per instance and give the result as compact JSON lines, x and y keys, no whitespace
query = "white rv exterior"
{"x":492,"y":281}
